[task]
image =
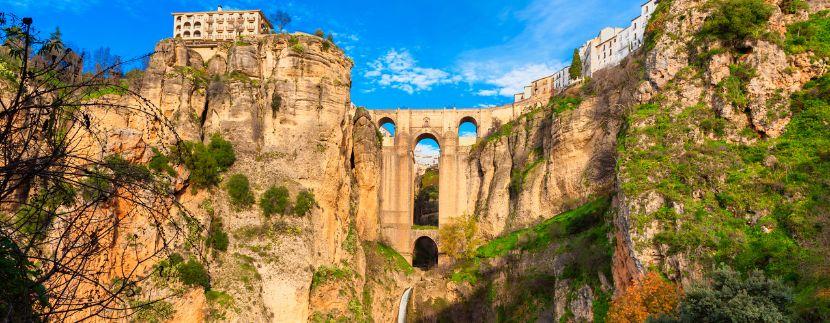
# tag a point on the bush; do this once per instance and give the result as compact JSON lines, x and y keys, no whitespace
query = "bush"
{"x":217,"y":237}
{"x":161,"y":163}
{"x":222,"y":151}
{"x":811,"y":35}
{"x":298,"y":48}
{"x":240,"y":191}
{"x":193,"y":273}
{"x":732,"y":298}
{"x":305,"y":202}
{"x":459,"y":238}
{"x":653,"y":296}
{"x":319,"y":33}
{"x":276,"y":200}
{"x":205,"y":162}
{"x":734,"y":21}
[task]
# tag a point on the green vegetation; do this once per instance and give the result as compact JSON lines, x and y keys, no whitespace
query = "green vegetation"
{"x":305,"y":203}
{"x":17,"y":284}
{"x":733,"y":298}
{"x":393,"y":258}
{"x":424,"y":227}
{"x":733,"y":87}
{"x":733,"y":21}
{"x":575,"y":71}
{"x":193,"y":273}
{"x":153,"y":312}
{"x":239,"y":190}
{"x":657,"y":24}
{"x":541,"y":235}
{"x":585,"y":227}
{"x":219,"y":303}
{"x":161,"y":163}
{"x":793,"y":6}
{"x":324,"y":274}
{"x":216,"y":236}
{"x":276,"y":200}
{"x":458,"y":238}
{"x":763,"y":212}
{"x":205,"y":162}
{"x":298,"y":48}
{"x":811,"y":35}
{"x":561,"y":103}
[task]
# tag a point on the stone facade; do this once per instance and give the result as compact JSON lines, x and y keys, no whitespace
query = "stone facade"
{"x":219,"y":24}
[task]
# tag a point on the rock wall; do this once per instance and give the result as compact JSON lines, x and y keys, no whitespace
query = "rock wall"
{"x":283,"y":101}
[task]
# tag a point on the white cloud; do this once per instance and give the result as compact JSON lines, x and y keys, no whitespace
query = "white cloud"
{"x":426,"y":154}
{"x":467,"y":134}
{"x":483,"y":105}
{"x":487,"y":92}
{"x":397,"y":69}
{"x":552,"y":29}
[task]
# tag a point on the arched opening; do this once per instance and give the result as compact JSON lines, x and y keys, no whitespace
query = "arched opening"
{"x":187,"y":25}
{"x":467,"y":131}
{"x":387,"y":127}
{"x":197,"y":25}
{"x":179,"y":18}
{"x":425,"y":253}
{"x":197,"y":34}
{"x":186,"y":34}
{"x":426,"y":155}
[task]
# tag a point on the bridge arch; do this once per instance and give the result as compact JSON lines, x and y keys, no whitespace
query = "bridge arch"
{"x":427,"y":135}
{"x":424,"y":253}
{"x":387,"y":123}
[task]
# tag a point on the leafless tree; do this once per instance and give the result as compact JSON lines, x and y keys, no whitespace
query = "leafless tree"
{"x":68,"y":200}
{"x":281,"y":19}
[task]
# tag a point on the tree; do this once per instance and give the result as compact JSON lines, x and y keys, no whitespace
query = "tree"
{"x":52,"y":239}
{"x":575,"y":71}
{"x":729,"y":297}
{"x":275,"y":200}
{"x":651,"y":297}
{"x":239,"y":191}
{"x":734,"y":21}
{"x":281,"y":18}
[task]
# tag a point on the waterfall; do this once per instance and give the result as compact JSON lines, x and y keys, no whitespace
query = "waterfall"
{"x":402,"y":306}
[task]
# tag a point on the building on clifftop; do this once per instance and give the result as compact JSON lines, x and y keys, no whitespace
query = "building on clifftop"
{"x":219,"y":24}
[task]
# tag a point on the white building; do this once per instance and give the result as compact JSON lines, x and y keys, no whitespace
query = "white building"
{"x":611,"y":46}
{"x":219,"y":24}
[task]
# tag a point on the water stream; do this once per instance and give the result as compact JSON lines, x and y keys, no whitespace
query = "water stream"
{"x":404,"y":303}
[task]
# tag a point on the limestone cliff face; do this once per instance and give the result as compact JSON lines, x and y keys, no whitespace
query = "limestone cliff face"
{"x":283,"y":101}
{"x":671,"y":80}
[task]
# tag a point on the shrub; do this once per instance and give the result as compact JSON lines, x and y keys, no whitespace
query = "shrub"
{"x":734,"y":21}
{"x":793,"y":6}
{"x":240,"y":191}
{"x":96,"y":187}
{"x":161,"y":163}
{"x":153,"y":312}
{"x":324,"y":274}
{"x":298,"y":48}
{"x":276,"y":200}
{"x":811,"y":35}
{"x":319,"y":33}
{"x":305,"y":202}
{"x":217,"y":238}
{"x":459,"y":238}
{"x":222,"y":151}
{"x":732,"y":298}
{"x":204,"y":171}
{"x":193,"y":273}
{"x":653,"y":296}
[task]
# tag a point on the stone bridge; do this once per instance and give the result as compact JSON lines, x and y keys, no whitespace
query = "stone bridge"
{"x":398,"y":173}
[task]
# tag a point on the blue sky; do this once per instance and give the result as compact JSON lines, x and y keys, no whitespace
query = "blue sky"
{"x":409,"y":54}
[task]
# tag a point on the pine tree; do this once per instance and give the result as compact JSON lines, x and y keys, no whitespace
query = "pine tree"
{"x":575,"y":70}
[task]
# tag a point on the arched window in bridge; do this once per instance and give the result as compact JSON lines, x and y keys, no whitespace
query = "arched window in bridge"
{"x":424,"y":253}
{"x":387,"y":127}
{"x":426,"y":155}
{"x":467,"y":131}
